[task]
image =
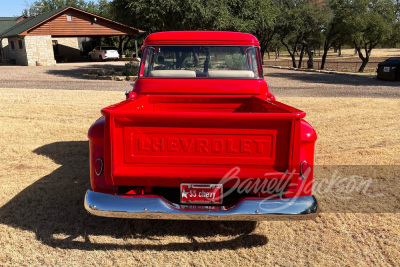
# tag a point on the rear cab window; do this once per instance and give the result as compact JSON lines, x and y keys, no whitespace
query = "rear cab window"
{"x":201,"y":62}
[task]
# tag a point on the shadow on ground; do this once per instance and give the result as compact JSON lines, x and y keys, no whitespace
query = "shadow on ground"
{"x":53,"y":207}
{"x":312,"y":77}
{"x":78,"y":71}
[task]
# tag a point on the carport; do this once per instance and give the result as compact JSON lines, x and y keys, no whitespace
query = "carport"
{"x":65,"y":34}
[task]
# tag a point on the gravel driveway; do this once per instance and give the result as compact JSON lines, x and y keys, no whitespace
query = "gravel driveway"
{"x":62,"y":76}
{"x":283,"y":82}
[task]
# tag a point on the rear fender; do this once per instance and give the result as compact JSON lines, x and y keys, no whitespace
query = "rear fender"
{"x":307,"y":146}
{"x":96,"y":148}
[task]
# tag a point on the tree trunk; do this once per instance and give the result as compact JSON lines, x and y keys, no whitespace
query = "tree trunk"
{"x":326,"y":49}
{"x":301,"y":56}
{"x":264,"y":42}
{"x":364,"y":63}
{"x":120,"y":45}
{"x":310,"y":62}
{"x":180,"y":59}
{"x":307,"y":48}
{"x":361,"y":56}
{"x":196,"y":59}
{"x":126,"y":44}
{"x":292,"y":55}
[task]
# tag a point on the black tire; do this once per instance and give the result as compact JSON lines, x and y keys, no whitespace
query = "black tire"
{"x":90,"y":58}
{"x":100,"y":58}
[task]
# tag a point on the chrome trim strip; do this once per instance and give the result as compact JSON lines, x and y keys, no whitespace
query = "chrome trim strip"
{"x":154,"y":207}
{"x":301,"y":169}
{"x":101,"y":168}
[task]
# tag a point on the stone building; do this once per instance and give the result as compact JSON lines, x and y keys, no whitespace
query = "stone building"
{"x":6,"y":23}
{"x":60,"y":35}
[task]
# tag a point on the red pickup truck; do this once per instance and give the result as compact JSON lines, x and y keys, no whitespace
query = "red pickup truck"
{"x":200,"y":137}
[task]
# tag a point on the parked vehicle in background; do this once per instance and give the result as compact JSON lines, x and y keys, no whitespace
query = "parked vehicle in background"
{"x":200,"y":137}
{"x":103,"y":52}
{"x":389,"y":69}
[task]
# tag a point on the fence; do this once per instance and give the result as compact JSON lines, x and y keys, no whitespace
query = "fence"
{"x":329,"y":65}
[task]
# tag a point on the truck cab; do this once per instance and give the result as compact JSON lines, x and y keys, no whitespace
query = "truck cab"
{"x":200,"y":137}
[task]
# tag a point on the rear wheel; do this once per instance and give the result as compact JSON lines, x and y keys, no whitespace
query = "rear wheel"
{"x":90,"y":58}
{"x":100,"y":58}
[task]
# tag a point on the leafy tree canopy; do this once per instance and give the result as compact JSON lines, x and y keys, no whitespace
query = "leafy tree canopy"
{"x":101,"y":7}
{"x":368,"y":24}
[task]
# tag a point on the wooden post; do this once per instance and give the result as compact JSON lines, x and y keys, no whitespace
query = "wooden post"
{"x":136,"y":49}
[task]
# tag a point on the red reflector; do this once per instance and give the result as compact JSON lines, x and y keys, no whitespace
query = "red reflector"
{"x":135,"y":191}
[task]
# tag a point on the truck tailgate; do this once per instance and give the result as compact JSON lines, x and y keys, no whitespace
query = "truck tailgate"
{"x":160,"y":140}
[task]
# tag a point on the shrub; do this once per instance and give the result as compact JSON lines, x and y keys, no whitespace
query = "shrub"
{"x":131,"y":68}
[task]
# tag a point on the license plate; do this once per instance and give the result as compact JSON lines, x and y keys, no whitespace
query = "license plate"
{"x":201,"y":193}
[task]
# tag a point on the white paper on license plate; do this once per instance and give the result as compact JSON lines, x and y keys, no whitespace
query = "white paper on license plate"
{"x":201,"y":193}
{"x":386,"y":69}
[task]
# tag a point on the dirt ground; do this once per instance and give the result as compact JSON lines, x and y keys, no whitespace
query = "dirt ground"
{"x":44,"y":159}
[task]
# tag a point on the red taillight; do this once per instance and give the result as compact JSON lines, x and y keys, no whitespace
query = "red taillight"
{"x":105,"y":52}
{"x":304,"y":169}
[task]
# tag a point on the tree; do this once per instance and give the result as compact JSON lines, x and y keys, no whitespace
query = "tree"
{"x":314,"y":15}
{"x":41,"y":6}
{"x":301,"y":27}
{"x":369,"y":23}
{"x":257,"y":17}
{"x":334,"y":31}
{"x":161,"y":15}
{"x":253,"y":16}
{"x":288,"y":27}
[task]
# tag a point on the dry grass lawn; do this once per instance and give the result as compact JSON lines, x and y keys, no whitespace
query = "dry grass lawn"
{"x":44,"y":174}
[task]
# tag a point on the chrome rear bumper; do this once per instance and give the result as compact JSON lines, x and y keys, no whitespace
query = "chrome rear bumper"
{"x":155,"y":207}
